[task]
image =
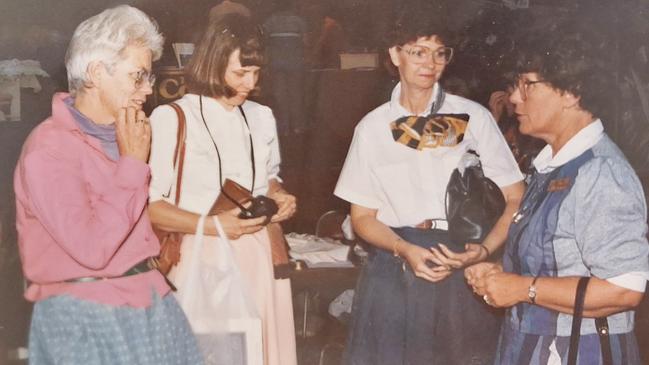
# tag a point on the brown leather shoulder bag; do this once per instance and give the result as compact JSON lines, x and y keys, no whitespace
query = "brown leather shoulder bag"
{"x":170,"y":241}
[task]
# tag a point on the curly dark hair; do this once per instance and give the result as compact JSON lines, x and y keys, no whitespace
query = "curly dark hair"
{"x":205,"y":72}
{"x":570,"y":60}
{"x":412,"y":23}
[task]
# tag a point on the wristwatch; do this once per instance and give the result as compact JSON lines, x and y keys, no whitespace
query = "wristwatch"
{"x":531,"y":291}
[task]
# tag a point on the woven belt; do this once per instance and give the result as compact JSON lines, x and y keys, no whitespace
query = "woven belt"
{"x":141,"y":267}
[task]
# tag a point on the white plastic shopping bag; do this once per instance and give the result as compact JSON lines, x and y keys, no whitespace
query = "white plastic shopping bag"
{"x":215,"y":300}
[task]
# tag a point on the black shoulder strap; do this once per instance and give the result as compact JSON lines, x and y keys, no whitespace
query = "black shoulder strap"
{"x":601,"y":323}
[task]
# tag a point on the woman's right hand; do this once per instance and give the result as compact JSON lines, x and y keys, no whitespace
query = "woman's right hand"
{"x":235,"y":227}
{"x":423,"y":263}
{"x":497,"y":102}
{"x":133,"y":133}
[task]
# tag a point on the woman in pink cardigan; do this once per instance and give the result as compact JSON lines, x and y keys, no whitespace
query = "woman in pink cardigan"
{"x":81,"y":188}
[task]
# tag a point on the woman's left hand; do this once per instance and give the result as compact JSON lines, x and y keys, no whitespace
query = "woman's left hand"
{"x":504,"y":289}
{"x":473,"y":253}
{"x":286,"y":203}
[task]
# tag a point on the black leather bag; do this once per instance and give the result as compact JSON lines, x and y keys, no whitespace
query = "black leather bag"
{"x":473,"y":205}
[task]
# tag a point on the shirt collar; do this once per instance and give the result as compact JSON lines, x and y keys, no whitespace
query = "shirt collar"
{"x":211,"y":105}
{"x":586,"y":138}
{"x":396,"y":107}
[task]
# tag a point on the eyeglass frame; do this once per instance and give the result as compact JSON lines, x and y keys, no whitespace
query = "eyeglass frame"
{"x":409,"y":52}
{"x":522,"y":86}
{"x":140,"y":76}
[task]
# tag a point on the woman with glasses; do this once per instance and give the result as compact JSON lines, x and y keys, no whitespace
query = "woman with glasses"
{"x":412,"y":305}
{"x":81,"y":191}
{"x":583,"y":215}
{"x":227,"y":137}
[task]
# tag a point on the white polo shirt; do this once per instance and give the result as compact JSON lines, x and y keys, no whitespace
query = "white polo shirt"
{"x":407,"y":186}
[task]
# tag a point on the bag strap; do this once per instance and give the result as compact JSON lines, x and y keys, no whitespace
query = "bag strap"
{"x":179,"y":151}
{"x":604,"y":342}
{"x":601,"y":323}
{"x":575,"y":333}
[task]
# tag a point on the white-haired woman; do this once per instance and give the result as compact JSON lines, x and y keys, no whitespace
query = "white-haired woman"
{"x":81,"y":191}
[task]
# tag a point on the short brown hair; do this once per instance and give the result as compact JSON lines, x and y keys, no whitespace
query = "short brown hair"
{"x":205,"y":72}
{"x":411,"y":24}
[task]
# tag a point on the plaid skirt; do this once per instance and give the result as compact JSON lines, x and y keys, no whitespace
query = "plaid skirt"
{"x":68,"y":330}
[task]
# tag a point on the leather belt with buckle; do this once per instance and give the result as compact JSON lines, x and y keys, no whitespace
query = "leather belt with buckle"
{"x":141,"y":267}
{"x":440,"y":224}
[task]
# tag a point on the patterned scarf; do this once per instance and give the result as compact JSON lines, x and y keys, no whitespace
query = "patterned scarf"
{"x":432,"y":131}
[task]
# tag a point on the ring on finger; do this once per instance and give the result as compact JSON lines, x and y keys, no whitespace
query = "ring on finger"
{"x":486,"y":299}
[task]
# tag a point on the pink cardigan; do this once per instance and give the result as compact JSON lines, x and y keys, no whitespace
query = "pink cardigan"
{"x":79,"y":214}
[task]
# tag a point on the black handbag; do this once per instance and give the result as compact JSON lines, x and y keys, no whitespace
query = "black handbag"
{"x":473,"y":205}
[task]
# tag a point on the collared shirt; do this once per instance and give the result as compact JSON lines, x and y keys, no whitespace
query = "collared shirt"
{"x":79,"y":214}
{"x":227,"y":129}
{"x":585,"y":139}
{"x":407,"y":186}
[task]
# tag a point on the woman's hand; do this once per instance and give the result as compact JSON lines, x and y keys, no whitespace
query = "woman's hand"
{"x":423,"y":263}
{"x":473,"y":253}
{"x":504,"y":289}
{"x":235,"y":227}
{"x":498,"y":288}
{"x":133,"y":133}
{"x":497,"y":103}
{"x":476,"y":274}
{"x":286,"y":203}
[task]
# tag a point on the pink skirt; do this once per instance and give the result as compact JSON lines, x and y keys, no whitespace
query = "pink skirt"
{"x":272,"y":297}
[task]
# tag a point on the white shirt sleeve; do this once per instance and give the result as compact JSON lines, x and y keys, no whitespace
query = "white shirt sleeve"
{"x":355,"y":181}
{"x":497,"y":160}
{"x":164,"y":126}
{"x":263,"y":123}
{"x":636,"y":281}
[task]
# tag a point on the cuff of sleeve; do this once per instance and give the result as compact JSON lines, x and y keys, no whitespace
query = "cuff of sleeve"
{"x":132,"y":173}
{"x":276,"y":177}
{"x":636,"y":280}
{"x":506,"y":180}
{"x":356,"y":198}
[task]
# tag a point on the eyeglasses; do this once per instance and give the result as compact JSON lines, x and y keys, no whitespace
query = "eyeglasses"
{"x":139,"y":77}
{"x":421,"y":54}
{"x":523,"y":86}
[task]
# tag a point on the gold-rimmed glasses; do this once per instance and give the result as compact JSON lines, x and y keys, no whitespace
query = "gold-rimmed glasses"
{"x":421,"y":54}
{"x":139,"y":77}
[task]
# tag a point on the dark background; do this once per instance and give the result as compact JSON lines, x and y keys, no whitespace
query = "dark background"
{"x":487,"y":32}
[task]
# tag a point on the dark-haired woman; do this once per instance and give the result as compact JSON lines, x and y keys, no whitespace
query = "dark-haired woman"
{"x":412,"y":305}
{"x":227,"y":132}
{"x":583,"y":215}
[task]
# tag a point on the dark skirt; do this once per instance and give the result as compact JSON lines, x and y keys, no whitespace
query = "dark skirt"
{"x":398,"y":318}
{"x":68,"y":330}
